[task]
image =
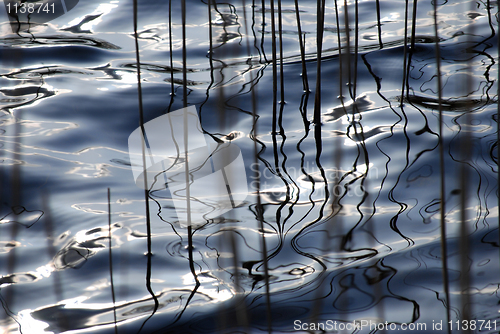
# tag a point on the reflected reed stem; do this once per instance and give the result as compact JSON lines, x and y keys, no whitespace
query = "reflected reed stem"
{"x":442,"y":187}
{"x":146,"y":191}
{"x":110,"y":238}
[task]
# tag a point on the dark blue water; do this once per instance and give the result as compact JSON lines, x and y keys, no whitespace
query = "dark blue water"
{"x":349,"y":202}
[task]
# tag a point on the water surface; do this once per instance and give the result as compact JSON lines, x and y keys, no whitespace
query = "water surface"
{"x":349,"y":200}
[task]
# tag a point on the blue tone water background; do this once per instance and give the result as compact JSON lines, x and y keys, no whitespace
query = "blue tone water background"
{"x":350,"y":207}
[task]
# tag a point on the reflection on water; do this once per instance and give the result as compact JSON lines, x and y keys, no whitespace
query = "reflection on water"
{"x":371,"y":165}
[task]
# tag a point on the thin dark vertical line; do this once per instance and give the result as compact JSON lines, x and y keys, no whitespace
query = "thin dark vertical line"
{"x":405,"y":51}
{"x":282,"y":79}
{"x":365,"y":186}
{"x":442,"y":185}
{"x":111,"y":261}
{"x":49,"y":231}
{"x":317,"y":303}
{"x":259,"y":209}
{"x":242,"y":312}
{"x":348,"y":49}
{"x":186,"y":148}
{"x":212,"y":80}
{"x":146,"y":190}
{"x":413,"y":25}
{"x":379,"y":24}
{"x":305,"y":82}
{"x":16,"y":201}
{"x":317,"y":107}
{"x":211,"y":46}
{"x":412,"y":47}
{"x":280,"y":124}
{"x":170,"y":47}
{"x":320,"y":19}
{"x":277,"y":153}
{"x":260,"y":218}
{"x":191,"y":261}
{"x":238,"y":300}
{"x":465,"y":144}
{"x":220,"y":112}
{"x":356,"y":45}
{"x":263,"y":30}
{"x":464,"y":233}
{"x":254,"y":33}
{"x":210,"y":57}
{"x":184,"y":56}
{"x":275,"y":74}
{"x":339,"y":39}
{"x":275,"y":112}
{"x":241,"y":315}
{"x":138,"y":65}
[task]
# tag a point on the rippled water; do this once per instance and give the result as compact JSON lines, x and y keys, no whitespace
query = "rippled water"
{"x":349,"y":198}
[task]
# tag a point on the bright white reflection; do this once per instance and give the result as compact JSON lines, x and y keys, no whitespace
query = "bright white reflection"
{"x":218,"y":294}
{"x":31,"y":325}
{"x":102,"y":9}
